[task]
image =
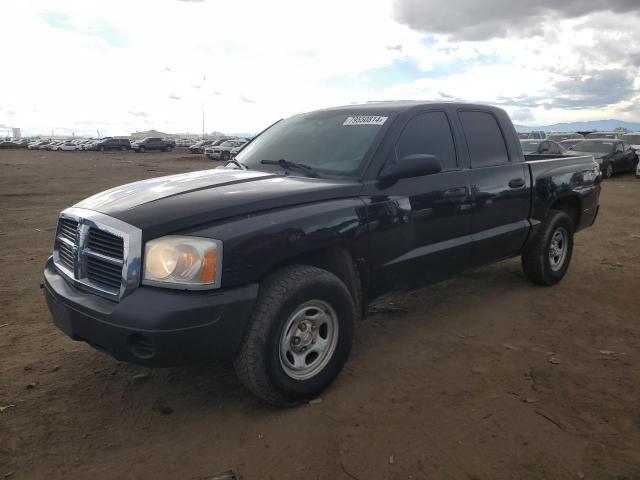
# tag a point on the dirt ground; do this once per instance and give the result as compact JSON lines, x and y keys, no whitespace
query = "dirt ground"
{"x":482,"y":377}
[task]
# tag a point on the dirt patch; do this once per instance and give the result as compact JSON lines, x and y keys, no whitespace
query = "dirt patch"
{"x":484,"y":376}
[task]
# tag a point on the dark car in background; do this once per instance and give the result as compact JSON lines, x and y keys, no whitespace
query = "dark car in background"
{"x":9,"y":144}
{"x":543,"y":147}
{"x":112,"y":144}
{"x":153,"y":143}
{"x":613,"y":156}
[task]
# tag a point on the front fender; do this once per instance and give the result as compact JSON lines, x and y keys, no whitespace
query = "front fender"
{"x":255,"y":244}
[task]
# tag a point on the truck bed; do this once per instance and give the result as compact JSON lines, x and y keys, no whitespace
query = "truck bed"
{"x":553,"y":177}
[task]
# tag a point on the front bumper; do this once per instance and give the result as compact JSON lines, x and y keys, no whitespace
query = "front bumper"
{"x":153,"y":326}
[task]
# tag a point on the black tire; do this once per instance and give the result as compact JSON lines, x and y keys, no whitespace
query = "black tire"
{"x":142,"y":149}
{"x":102,"y":149}
{"x":225,"y":156}
{"x":537,"y":262}
{"x":123,"y":148}
{"x":258,"y":362}
{"x":607,"y":170}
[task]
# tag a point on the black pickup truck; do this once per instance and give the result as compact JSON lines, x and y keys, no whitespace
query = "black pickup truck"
{"x":271,"y":260}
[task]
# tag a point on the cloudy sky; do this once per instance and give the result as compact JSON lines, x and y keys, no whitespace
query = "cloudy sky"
{"x":122,"y":66}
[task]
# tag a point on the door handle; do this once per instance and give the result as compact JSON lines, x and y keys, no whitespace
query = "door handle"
{"x":517,"y":183}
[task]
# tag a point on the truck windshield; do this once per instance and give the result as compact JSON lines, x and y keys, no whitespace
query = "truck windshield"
{"x":330,"y":142}
{"x":593,"y":147}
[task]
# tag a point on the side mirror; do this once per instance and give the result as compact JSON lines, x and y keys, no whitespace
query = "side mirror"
{"x":416,"y":165}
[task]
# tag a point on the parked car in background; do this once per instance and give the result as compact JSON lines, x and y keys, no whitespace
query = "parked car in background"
{"x":613,"y":156}
{"x":570,"y":143}
{"x":33,"y":144}
{"x":37,"y":144}
{"x":52,"y":146}
{"x":238,"y":149}
{"x":202,"y":145}
{"x":153,"y":143}
{"x":559,"y":137}
{"x":69,"y":146}
{"x":523,"y":136}
{"x":89,"y":144}
{"x":199,"y":146}
{"x":9,"y":144}
{"x":112,"y":144}
{"x":610,"y":135}
{"x":632,"y":139}
{"x":542,"y":147}
{"x":223,"y":151}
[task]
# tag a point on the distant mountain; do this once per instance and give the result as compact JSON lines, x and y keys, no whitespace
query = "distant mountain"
{"x":598,"y":125}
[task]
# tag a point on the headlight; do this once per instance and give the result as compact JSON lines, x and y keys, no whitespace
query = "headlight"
{"x":190,"y":263}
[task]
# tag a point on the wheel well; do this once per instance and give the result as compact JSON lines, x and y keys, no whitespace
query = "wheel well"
{"x":571,"y":206}
{"x":336,"y":260}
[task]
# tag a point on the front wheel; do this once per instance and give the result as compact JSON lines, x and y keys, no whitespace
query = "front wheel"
{"x":607,"y":172}
{"x":225,"y":156}
{"x":547,"y":262}
{"x":299,"y":335}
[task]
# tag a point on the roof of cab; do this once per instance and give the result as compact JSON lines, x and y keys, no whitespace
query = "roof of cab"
{"x":404,"y":105}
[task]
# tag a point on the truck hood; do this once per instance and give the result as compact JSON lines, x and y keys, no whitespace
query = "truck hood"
{"x":159,"y":206}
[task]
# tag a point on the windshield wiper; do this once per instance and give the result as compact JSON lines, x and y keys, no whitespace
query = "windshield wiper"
{"x":287,"y":165}
{"x":238,"y":164}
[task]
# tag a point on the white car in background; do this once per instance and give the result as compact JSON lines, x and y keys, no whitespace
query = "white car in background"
{"x":69,"y":146}
{"x":224,"y":150}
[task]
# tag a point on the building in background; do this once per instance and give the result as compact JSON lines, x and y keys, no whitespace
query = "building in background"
{"x":148,"y":133}
{"x":16,"y":133}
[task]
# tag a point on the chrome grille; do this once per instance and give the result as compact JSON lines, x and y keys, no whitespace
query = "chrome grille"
{"x":68,"y":229}
{"x":66,"y":255}
{"x":105,"y":243}
{"x":97,"y":253}
{"x":103,"y":273}
{"x":104,"y":269}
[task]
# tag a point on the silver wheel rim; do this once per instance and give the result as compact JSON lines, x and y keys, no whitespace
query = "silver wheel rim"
{"x":308,"y":339}
{"x":609,"y":170}
{"x":558,"y":249}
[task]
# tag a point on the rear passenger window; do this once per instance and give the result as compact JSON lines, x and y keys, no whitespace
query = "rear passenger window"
{"x":484,"y":139}
{"x":429,"y":133}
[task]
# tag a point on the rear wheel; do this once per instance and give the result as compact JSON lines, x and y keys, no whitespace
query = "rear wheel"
{"x":548,"y":260}
{"x":123,"y":148}
{"x":299,"y":335}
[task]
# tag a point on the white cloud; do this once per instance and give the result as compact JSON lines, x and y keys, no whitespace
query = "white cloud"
{"x":86,"y":65}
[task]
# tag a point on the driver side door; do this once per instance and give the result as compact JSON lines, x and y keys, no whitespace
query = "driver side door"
{"x":419,"y":228}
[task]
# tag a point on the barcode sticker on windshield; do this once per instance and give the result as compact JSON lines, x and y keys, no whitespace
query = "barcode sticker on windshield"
{"x":365,"y":120}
